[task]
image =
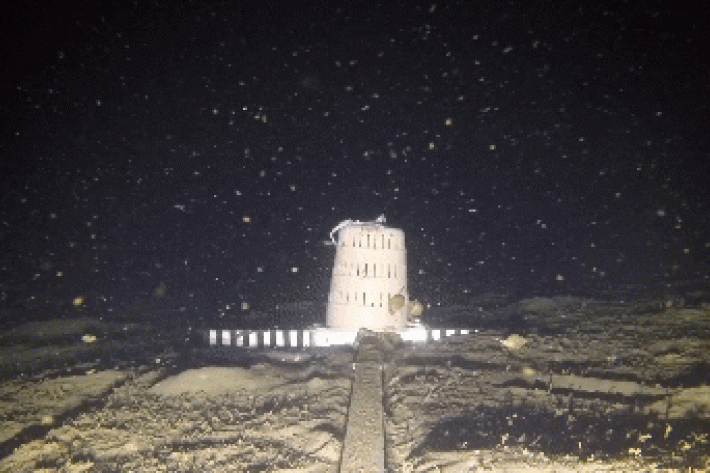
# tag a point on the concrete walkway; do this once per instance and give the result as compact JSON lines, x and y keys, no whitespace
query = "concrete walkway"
{"x":364,"y":447}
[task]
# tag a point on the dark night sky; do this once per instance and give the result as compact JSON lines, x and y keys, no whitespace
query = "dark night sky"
{"x":521,"y":147}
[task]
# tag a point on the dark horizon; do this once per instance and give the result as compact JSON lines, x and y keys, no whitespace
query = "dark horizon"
{"x":210,"y":149}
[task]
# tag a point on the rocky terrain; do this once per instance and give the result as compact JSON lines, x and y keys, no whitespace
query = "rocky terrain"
{"x":582,"y":385}
{"x":593,"y":387}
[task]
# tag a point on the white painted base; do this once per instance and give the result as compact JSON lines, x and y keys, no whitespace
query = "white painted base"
{"x":316,"y":337}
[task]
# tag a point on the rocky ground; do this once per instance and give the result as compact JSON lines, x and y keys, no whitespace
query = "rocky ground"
{"x":591,"y":387}
{"x":571,"y":385}
{"x":285,"y":411}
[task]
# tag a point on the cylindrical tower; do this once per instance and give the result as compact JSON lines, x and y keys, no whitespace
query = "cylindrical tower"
{"x":368,"y":288}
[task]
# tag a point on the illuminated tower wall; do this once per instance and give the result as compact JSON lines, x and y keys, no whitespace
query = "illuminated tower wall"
{"x":369,"y":283}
